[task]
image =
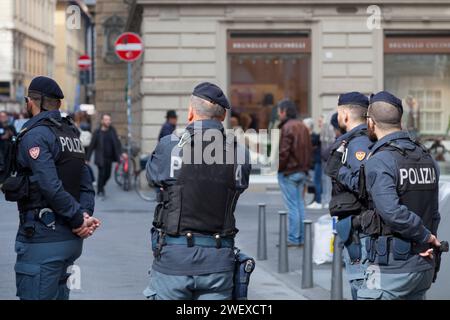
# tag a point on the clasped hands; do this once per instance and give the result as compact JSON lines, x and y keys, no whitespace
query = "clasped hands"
{"x":90,"y":224}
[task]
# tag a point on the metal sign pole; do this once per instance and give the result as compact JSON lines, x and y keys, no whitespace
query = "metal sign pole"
{"x":129,"y":107}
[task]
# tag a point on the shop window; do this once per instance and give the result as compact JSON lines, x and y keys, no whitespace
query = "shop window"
{"x":264,"y":69}
{"x":418,"y":71}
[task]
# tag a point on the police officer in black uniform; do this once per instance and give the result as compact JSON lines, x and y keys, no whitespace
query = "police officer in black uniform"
{"x":347,"y":154}
{"x":402,"y":182}
{"x":201,"y":173}
{"x":52,"y":187}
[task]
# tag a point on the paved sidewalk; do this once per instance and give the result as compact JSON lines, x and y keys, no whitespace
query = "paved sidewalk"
{"x":115,"y":261}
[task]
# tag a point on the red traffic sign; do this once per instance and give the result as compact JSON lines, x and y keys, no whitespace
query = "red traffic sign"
{"x":84,"y":62}
{"x":129,"y":46}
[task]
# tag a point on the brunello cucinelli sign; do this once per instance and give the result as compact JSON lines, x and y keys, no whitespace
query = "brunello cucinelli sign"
{"x":417,"y":45}
{"x":269,"y":45}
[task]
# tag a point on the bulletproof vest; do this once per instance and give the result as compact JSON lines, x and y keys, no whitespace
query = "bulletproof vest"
{"x":204,"y":196}
{"x":68,"y":165}
{"x":343,"y":201}
{"x":417,"y":185}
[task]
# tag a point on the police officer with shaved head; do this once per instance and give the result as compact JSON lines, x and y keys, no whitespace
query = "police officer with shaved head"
{"x":201,"y":173}
{"x":402,"y":182}
{"x":52,"y":186}
{"x":347,"y":154}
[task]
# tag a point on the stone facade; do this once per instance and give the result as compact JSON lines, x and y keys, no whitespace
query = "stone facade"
{"x":110,"y":78}
{"x":72,"y":43}
{"x":186,"y":43}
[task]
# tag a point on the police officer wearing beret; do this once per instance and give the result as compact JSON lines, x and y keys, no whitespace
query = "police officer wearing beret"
{"x":194,"y":224}
{"x":402,"y":182}
{"x":347,"y":154}
{"x":52,"y":187}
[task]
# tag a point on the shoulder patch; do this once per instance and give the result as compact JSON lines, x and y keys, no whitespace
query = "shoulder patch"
{"x":360,"y":155}
{"x":34,"y":152}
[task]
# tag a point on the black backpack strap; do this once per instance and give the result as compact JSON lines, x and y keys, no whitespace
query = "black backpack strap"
{"x":69,"y":121}
{"x":421,"y":146}
{"x":394,"y":146}
{"x":359,"y":133}
{"x":49,"y":122}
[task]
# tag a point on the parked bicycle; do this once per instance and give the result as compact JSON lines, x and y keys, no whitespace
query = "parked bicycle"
{"x":129,"y":176}
{"x":142,"y":187}
{"x":124,"y":170}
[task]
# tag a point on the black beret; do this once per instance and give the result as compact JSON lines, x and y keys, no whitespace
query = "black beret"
{"x":46,"y":87}
{"x":388,"y":98}
{"x":334,"y":121}
{"x":355,"y":98}
{"x":211,"y":93}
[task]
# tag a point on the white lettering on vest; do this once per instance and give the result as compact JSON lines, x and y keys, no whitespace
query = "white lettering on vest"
{"x":417,"y":175}
{"x":403,"y":175}
{"x":412,"y":176}
{"x":63,"y":143}
{"x":71,"y":144}
{"x":175,"y":164}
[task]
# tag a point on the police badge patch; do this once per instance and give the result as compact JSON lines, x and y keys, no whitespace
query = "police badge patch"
{"x":34,"y":152}
{"x":360,"y":155}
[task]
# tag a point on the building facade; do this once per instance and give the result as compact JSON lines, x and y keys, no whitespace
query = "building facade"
{"x":26,"y":46}
{"x":110,"y":72}
{"x":73,"y":39}
{"x":308,"y":51}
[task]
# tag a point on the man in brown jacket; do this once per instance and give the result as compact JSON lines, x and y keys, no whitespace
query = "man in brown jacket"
{"x":294,"y":163}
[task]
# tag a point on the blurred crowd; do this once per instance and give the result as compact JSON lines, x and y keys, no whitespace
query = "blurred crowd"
{"x":322,"y":132}
{"x":12,"y":122}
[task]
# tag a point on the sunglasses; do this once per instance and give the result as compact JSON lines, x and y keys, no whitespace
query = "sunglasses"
{"x":27,"y":99}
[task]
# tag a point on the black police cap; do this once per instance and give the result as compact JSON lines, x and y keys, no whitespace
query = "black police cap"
{"x":334,"y":121}
{"x":46,"y":87}
{"x":354,"y":98}
{"x":388,"y":98}
{"x":171,"y":114}
{"x":211,"y":93}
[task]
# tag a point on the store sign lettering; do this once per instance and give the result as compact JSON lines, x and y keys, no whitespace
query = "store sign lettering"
{"x":425,"y":45}
{"x":267,"y":45}
{"x":261,"y":45}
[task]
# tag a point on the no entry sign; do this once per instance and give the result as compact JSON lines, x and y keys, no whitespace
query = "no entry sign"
{"x":84,"y":62}
{"x":129,"y":46}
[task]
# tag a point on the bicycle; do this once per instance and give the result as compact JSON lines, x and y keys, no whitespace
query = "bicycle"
{"x":143,"y":188}
{"x":122,"y":171}
{"x":129,"y":176}
{"x":309,"y":193}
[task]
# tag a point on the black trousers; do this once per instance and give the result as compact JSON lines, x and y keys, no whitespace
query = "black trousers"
{"x":104,"y":173}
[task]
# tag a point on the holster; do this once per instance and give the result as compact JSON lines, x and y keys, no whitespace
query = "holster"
{"x":350,"y":238}
{"x":157,"y":217}
{"x":344,"y":204}
{"x":157,"y":239}
{"x":370,"y":223}
{"x":244,"y":266}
